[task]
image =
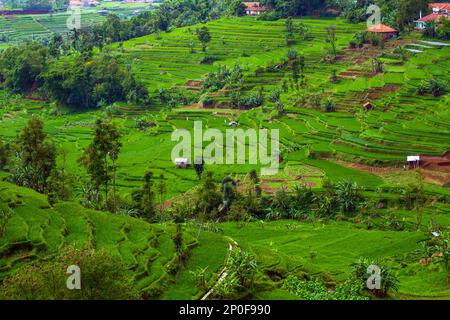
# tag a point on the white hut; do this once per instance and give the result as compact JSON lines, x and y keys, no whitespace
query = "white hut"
{"x":182,"y":163}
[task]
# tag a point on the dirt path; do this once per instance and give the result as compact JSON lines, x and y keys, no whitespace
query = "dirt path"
{"x":223,"y":273}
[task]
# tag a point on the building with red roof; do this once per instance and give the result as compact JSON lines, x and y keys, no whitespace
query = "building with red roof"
{"x":440,"y":11}
{"x":254,"y":8}
{"x":385,"y":31}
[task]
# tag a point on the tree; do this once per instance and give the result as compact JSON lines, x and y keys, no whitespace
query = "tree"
{"x":161,"y":191}
{"x":407,"y":11}
{"x":331,"y":38}
{"x":21,"y":66}
{"x":444,"y":29}
{"x":114,"y":148}
{"x":208,"y":197}
{"x":388,"y":280}
{"x":60,"y":181}
{"x":329,"y":105}
{"x":443,"y":249}
{"x":236,"y":8}
{"x":302,"y":65}
{"x":377,"y":65}
{"x":303,"y":31}
{"x":228,"y":193}
{"x":294,"y":63}
{"x":4,"y":154}
{"x":55,"y":45}
{"x":349,"y":196}
{"x":5,"y":215}
{"x":290,"y":39}
{"x":105,"y":145}
{"x":104,"y":277}
{"x":204,"y":37}
{"x":192,"y":46}
{"x":430,"y":29}
{"x":86,"y":82}
{"x":35,"y":157}
{"x":253,"y":192}
{"x":63,"y":153}
{"x":147,"y":202}
{"x":199,"y":166}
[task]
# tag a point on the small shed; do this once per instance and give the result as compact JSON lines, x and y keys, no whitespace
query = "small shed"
{"x":413,"y":161}
{"x":182,"y":163}
{"x":385,"y":31}
{"x":368,"y":106}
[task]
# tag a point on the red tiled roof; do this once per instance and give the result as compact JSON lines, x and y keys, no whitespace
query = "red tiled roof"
{"x":381,"y":28}
{"x":254,"y":6}
{"x":434,"y":16}
{"x":441,"y":6}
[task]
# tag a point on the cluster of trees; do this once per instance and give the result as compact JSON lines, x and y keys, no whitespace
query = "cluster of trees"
{"x":397,"y":13}
{"x":224,"y":77}
{"x":354,"y":288}
{"x":169,"y":14}
{"x":104,"y":277}
{"x":76,"y":80}
{"x":295,"y":8}
{"x":241,"y":268}
{"x":441,"y":31}
{"x":32,"y":161}
{"x":36,"y":4}
{"x":435,"y":86}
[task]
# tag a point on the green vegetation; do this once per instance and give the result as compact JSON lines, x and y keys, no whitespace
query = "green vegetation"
{"x":86,"y":168}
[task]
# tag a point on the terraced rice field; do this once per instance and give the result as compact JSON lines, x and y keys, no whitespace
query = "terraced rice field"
{"x":37,"y":231}
{"x":20,"y":28}
{"x":316,"y":145}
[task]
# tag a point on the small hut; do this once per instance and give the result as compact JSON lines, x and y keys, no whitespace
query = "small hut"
{"x":368,"y":106}
{"x":413,"y":161}
{"x":384,"y":31}
{"x":182,"y":163}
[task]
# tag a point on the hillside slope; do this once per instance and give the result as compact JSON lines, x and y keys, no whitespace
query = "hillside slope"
{"x":37,"y":231}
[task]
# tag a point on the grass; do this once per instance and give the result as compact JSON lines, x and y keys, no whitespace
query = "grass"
{"x":402,"y":123}
{"x":37,"y":231}
{"x":39,"y":26}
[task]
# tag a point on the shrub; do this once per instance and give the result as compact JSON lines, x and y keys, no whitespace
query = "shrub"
{"x":307,"y":290}
{"x":328,"y":105}
{"x":351,"y":289}
{"x":241,"y":268}
{"x":269,"y":16}
{"x":348,"y":196}
{"x":437,"y":87}
{"x":208,"y":59}
{"x":352,"y":44}
{"x":316,"y":290}
{"x":388,"y":280}
{"x":103,"y":276}
{"x":5,"y":214}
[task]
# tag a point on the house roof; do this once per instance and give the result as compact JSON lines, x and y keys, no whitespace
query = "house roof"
{"x":254,"y":6}
{"x":441,"y":6}
{"x":434,"y":16}
{"x":381,"y":28}
{"x":412,"y":158}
